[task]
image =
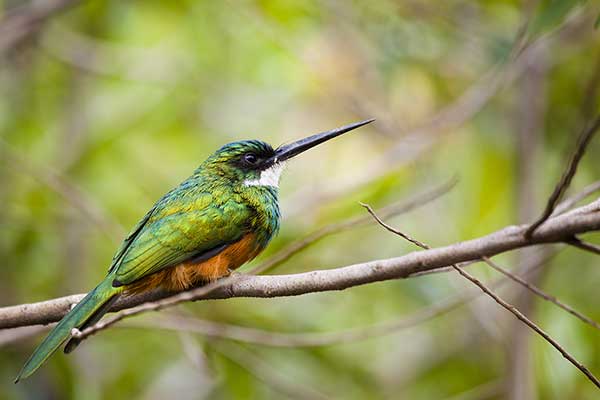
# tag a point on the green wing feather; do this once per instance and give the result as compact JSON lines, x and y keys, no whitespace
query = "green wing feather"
{"x":180,"y":229}
{"x":185,"y":223}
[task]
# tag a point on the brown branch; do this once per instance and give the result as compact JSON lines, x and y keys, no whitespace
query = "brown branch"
{"x":530,"y":324}
{"x":584,"y":139}
{"x":509,"y":307}
{"x":280,"y":339}
{"x":576,"y":242}
{"x":314,"y":339}
{"x":555,"y":230}
{"x":539,"y":292}
{"x":576,"y":198}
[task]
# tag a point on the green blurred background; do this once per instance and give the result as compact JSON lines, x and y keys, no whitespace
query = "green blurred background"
{"x":106,"y":105}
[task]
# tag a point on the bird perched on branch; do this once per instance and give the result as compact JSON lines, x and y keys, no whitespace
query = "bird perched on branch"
{"x":219,"y":218}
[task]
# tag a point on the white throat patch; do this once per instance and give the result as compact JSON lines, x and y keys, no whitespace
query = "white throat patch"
{"x":268,"y":177}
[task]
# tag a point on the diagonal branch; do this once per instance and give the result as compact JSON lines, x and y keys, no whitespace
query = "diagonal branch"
{"x":539,"y":292}
{"x":509,"y":307}
{"x":565,"y":180}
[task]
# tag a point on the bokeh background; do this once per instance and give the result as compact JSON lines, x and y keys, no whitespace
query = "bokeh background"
{"x":105,"y":105}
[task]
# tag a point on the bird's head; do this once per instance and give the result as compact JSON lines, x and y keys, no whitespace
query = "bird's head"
{"x":256,"y":163}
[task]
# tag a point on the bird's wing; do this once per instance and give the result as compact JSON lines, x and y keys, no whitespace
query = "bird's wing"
{"x":177,"y":230}
{"x":129,"y":239}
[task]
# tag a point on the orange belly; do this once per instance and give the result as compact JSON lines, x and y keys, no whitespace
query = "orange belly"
{"x":188,"y":274}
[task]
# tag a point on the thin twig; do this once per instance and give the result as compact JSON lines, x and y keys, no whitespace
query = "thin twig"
{"x":314,"y":339}
{"x":391,"y":210}
{"x":542,"y":294}
{"x":531,"y":324}
{"x":584,"y":139}
{"x":576,"y":198}
{"x":587,"y":246}
{"x":509,"y":307}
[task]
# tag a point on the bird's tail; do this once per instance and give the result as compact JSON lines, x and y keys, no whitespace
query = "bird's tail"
{"x":89,"y":310}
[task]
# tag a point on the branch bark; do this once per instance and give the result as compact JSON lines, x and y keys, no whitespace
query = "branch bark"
{"x":556,"y":229}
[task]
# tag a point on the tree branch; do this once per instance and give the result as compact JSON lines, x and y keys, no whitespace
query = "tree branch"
{"x":507,"y":306}
{"x":584,"y":139}
{"x":539,"y":292}
{"x":556,"y":229}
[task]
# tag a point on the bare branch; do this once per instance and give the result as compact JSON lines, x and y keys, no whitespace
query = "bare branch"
{"x":393,"y":230}
{"x":531,"y":324}
{"x":509,"y":307}
{"x":576,"y":242}
{"x":555,"y":230}
{"x":576,"y":198}
{"x":539,"y":292}
{"x":280,"y":339}
{"x":565,"y":180}
{"x":313,"y":339}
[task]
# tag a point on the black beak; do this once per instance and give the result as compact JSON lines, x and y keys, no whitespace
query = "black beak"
{"x":288,"y":151}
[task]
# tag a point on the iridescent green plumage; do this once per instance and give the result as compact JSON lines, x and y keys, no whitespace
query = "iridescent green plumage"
{"x":227,"y":207}
{"x":206,"y":212}
{"x":212,"y":208}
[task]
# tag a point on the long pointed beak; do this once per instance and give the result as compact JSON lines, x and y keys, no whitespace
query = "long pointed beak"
{"x":288,"y":151}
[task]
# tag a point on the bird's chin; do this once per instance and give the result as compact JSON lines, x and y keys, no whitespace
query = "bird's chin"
{"x":268,"y":177}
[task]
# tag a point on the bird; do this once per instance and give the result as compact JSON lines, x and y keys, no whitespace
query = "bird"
{"x":216,"y":220}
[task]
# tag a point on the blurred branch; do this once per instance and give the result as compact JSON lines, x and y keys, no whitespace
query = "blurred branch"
{"x":265,"y":372}
{"x":9,"y":336}
{"x":159,"y":64}
{"x":488,"y":390}
{"x":555,"y":230}
{"x":576,"y":198}
{"x":67,"y":190}
{"x":418,"y":139}
{"x":23,"y":22}
{"x":509,"y":307}
{"x":391,"y":210}
{"x":530,"y":110}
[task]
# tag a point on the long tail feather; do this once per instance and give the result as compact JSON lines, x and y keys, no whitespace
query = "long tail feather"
{"x":77,"y":317}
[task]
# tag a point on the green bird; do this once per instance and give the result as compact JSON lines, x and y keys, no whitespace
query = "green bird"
{"x":219,"y":218}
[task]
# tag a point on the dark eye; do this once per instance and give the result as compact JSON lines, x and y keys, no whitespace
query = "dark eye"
{"x":250,"y":158}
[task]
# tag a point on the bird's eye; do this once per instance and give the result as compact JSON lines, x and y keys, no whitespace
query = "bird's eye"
{"x":250,"y":158}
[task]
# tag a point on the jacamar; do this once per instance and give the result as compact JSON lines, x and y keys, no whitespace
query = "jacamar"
{"x":219,"y":218}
